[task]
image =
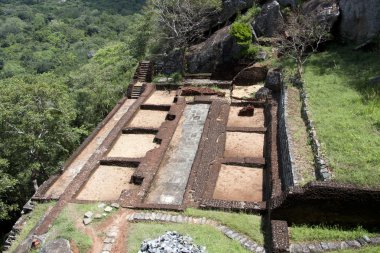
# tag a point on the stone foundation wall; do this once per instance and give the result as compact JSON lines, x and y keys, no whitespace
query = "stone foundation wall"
{"x":285,"y":157}
{"x":322,"y":171}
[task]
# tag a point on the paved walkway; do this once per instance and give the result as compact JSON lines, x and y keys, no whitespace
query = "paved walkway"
{"x":170,"y":183}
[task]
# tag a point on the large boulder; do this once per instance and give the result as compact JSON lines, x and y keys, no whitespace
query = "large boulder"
{"x":273,"y":80}
{"x":57,"y":246}
{"x":325,"y":10}
{"x":169,"y":63}
{"x":360,"y":20}
{"x":270,"y":21}
{"x":251,"y":75}
{"x":288,"y":3}
{"x":220,"y":49}
{"x":231,"y":7}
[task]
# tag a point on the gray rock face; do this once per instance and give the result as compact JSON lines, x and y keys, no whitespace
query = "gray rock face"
{"x":269,"y":22}
{"x":171,"y":242}
{"x":326,"y":11}
{"x":273,"y":80}
{"x":251,"y":75}
{"x":57,"y":246}
{"x":219,"y":49}
{"x":169,"y":63}
{"x":360,"y":20}
{"x":231,"y":7}
{"x":263,"y":93}
{"x":287,"y":3}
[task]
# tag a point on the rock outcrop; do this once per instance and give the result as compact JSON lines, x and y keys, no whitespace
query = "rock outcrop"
{"x":288,"y":3}
{"x":57,"y":246}
{"x":251,"y":75}
{"x":270,"y":21}
{"x":231,"y":7}
{"x":360,"y":20}
{"x":219,"y":49}
{"x":326,"y":11}
{"x":273,"y":80}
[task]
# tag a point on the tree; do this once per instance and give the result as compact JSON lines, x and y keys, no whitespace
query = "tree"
{"x":304,"y":34}
{"x":36,"y":132}
{"x":184,"y":21}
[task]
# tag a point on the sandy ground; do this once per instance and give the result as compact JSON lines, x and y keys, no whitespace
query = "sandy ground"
{"x":161,"y":97}
{"x":148,"y":118}
{"x":107,"y":183}
{"x":240,"y":144}
{"x":246,"y":91}
{"x":132,"y":145}
{"x":239,"y":184}
{"x":75,"y":167}
{"x":257,"y":120}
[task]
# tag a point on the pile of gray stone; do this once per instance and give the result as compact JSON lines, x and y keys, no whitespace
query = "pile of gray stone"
{"x":171,"y":242}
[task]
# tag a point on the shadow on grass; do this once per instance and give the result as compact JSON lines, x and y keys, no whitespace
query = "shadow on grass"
{"x":355,"y":67}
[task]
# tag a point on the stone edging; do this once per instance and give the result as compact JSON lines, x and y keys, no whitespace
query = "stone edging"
{"x":323,"y":172}
{"x":337,"y":245}
{"x":163,"y":217}
{"x":288,"y":173}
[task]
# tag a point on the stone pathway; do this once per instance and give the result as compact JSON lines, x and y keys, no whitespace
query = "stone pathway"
{"x":77,"y":164}
{"x":170,"y":183}
{"x":165,"y":217}
{"x":337,"y":245}
{"x":111,"y":236}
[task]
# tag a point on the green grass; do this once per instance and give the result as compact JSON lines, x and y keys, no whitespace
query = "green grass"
{"x":203,"y":235}
{"x":64,"y":227}
{"x":247,"y":224}
{"x":304,"y":233}
{"x":32,"y":220}
{"x":346,"y":112}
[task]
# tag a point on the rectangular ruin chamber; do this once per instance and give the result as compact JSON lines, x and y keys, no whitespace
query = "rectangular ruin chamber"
{"x":161,"y":97}
{"x":240,"y":145}
{"x":234,"y":120}
{"x":107,"y":183}
{"x":148,"y":119}
{"x":132,"y":145}
{"x":238,"y":183}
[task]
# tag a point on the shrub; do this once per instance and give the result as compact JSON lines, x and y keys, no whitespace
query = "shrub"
{"x":242,"y":33}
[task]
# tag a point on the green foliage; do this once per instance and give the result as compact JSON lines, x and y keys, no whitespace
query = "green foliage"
{"x":247,"y":224}
{"x":346,"y":112}
{"x":64,"y":227}
{"x":249,"y":15}
{"x":63,"y":67}
{"x":203,"y":235}
{"x":32,"y":219}
{"x":304,"y":233}
{"x":242,"y":33}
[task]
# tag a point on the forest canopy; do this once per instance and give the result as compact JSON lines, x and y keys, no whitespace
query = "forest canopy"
{"x":63,"y":66}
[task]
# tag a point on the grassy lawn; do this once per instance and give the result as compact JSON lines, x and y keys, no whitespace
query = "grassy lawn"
{"x":346,"y":112}
{"x":32,"y":219}
{"x":301,"y":149}
{"x":247,"y":224}
{"x":65,"y":227}
{"x":203,"y":235}
{"x":325,"y":233}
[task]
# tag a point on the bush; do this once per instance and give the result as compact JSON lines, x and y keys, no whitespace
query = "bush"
{"x":242,"y":33}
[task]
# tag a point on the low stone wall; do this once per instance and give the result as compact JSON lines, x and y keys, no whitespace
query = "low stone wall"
{"x":287,"y":166}
{"x":334,"y":245}
{"x":322,"y":171}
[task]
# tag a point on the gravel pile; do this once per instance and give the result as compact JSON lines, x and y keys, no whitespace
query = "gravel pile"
{"x":171,"y":242}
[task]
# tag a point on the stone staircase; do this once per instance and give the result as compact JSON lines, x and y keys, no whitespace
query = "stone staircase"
{"x":143,"y":71}
{"x":136,"y":91}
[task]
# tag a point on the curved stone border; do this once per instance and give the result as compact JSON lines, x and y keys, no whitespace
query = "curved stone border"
{"x":321,"y":165}
{"x":336,"y":245}
{"x":165,"y":217}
